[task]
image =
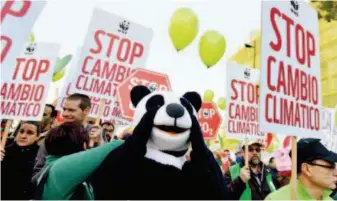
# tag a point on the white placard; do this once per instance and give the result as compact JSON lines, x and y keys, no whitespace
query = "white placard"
{"x":290,"y":97}
{"x":112,"y":48}
{"x":24,"y":92}
{"x":242,"y":102}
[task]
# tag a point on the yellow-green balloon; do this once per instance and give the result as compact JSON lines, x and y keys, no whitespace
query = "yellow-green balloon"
{"x":208,"y":95}
{"x":58,"y":76}
{"x":183,"y":27}
{"x":212,"y":47}
{"x":222,"y":103}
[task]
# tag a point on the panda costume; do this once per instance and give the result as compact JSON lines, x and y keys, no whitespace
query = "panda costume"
{"x":152,"y":164}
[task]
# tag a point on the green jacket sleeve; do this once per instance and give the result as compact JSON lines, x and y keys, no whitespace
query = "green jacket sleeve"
{"x":69,"y":171}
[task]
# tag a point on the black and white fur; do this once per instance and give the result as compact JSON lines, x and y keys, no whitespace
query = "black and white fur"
{"x":152,"y":163}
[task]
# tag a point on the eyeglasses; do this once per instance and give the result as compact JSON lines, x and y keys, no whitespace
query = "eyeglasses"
{"x":257,"y":149}
{"x":331,"y":167}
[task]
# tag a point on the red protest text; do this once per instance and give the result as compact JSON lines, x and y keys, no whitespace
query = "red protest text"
{"x":9,"y":8}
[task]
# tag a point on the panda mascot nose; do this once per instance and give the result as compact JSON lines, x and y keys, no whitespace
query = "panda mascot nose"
{"x":175,"y":110}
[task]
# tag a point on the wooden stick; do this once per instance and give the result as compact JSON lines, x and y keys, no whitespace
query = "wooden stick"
{"x":293,"y":181}
{"x":246,"y":153}
{"x":99,"y":116}
{"x":5,"y":135}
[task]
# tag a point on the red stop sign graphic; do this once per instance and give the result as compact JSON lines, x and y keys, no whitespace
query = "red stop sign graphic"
{"x":153,"y":80}
{"x":209,"y":119}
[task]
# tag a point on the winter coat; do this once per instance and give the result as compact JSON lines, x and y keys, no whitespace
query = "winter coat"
{"x":16,"y":172}
{"x":236,"y":187}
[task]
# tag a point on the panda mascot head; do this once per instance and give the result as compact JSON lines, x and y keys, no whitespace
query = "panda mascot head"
{"x":151,"y":164}
{"x":171,"y":118}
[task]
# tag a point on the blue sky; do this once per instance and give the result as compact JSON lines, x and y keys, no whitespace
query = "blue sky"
{"x":66,"y":22}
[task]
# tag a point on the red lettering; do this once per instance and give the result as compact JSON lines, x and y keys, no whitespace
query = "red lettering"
{"x":18,"y":64}
{"x":112,"y":41}
{"x":9,"y":8}
{"x":289,"y":22}
{"x":235,"y":96}
{"x":269,"y":119}
{"x":120,"y":57}
{"x":42,"y":68}
{"x":269,"y":72}
{"x":85,"y":64}
{"x":314,"y":89}
{"x":276,"y":46}
{"x":98,"y":42}
{"x":310,"y":47}
{"x":7,"y":46}
{"x":300,"y":37}
{"x":281,"y":82}
{"x":137,"y":51}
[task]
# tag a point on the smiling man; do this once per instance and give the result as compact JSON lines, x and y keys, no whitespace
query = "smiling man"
{"x":316,"y":170}
{"x":75,"y":109}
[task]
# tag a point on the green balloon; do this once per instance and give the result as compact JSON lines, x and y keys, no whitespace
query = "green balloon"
{"x":222,"y":103}
{"x":208,"y":95}
{"x":212,"y":47}
{"x":62,"y":63}
{"x":31,"y":38}
{"x":58,"y":76}
{"x":183,"y":27}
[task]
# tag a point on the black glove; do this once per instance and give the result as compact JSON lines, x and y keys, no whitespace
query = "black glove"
{"x":196,"y":137}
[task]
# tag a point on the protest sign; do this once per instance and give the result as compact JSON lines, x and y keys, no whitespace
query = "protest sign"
{"x":17,"y":20}
{"x":209,"y":119}
{"x":283,"y":160}
{"x":242,"y":102}
{"x":153,"y":80}
{"x":25,"y":88}
{"x":112,"y":48}
{"x":290,"y":69}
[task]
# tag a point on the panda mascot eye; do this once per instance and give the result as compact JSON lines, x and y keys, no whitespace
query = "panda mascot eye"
{"x":155,"y":102}
{"x":187,"y":105}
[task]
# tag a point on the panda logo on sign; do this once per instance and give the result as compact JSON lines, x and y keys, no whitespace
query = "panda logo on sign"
{"x":152,"y":164}
{"x":30,"y":49}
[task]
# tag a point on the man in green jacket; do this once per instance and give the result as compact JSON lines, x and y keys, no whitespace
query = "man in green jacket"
{"x":316,"y":170}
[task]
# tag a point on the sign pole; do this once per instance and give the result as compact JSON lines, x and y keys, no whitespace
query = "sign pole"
{"x":293,"y":181}
{"x":5,"y":135}
{"x":246,"y":153}
{"x":99,"y":116}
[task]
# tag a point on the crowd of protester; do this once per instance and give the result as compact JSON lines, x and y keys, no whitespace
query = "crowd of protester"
{"x":40,"y":161}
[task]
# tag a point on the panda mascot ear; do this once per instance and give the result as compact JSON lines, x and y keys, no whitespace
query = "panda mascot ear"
{"x":138,"y":93}
{"x":194,"y":99}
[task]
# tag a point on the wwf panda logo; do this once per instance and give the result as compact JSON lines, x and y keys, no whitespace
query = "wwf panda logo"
{"x":30,"y":49}
{"x":124,"y":27}
{"x":247,"y":73}
{"x":206,"y":114}
{"x":294,"y":7}
{"x":153,"y":86}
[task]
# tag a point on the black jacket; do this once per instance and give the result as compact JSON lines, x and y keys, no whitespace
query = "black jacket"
{"x":259,"y":192}
{"x":16,"y":172}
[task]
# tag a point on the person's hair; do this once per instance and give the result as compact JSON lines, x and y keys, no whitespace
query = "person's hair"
{"x":85,"y":101}
{"x":68,"y":138}
{"x":271,"y":160}
{"x":226,"y":150}
{"x":108,"y":124}
{"x":35,"y":123}
{"x":53,"y":111}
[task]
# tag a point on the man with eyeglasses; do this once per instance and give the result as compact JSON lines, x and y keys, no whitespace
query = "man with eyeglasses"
{"x":251,"y":182}
{"x":316,"y":172}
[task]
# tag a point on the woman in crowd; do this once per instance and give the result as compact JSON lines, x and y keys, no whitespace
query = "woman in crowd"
{"x":18,"y":162}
